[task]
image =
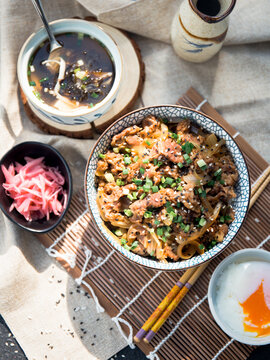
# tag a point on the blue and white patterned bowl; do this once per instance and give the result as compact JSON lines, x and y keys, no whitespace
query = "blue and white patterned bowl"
{"x":240,"y":203}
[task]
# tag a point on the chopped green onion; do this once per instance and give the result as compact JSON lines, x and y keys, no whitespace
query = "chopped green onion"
{"x":174,"y":185}
{"x":43,"y":79}
{"x":218,"y":172}
{"x":118,"y":232}
{"x":182,"y":225}
{"x":156,"y":222}
{"x":201,"y":247}
{"x":123,"y":241}
{"x":91,"y":105}
{"x":145,"y":161}
{"x":202,"y":164}
{"x":76,"y":70}
{"x":127,"y":160}
{"x":94,"y":95}
{"x":135,"y":159}
{"x":222,"y":219}
{"x":142,"y":196}
{"x":134,"y":245}
{"x":211,"y":183}
{"x":127,"y":150}
{"x":147,"y":142}
{"x":163,"y":179}
{"x":80,"y":35}
{"x":213,"y":243}
{"x":222,"y":182}
{"x":128,"y":212}
{"x":180,"y":165}
{"x":203,"y":194}
{"x":116,"y":150}
{"x":187,"y":158}
{"x":102,"y":156}
{"x":152,"y":253}
{"x":202,"y":222}
{"x":159,"y":163}
{"x":125,"y":171}
{"x":178,"y":139}
{"x":169,"y":180}
{"x":137,"y":181}
{"x":32,"y":83}
{"x":186,"y":228}
{"x":228,"y":218}
{"x":37,"y":94}
{"x":142,"y":170}
{"x":187,"y":147}
{"x":180,"y":188}
{"x":155,"y":161}
{"x":160,"y":231}
{"x":28,"y":72}
{"x":85,"y":78}
{"x":155,"y":189}
{"x":148,"y":182}
{"x":130,"y":197}
{"x":148,"y":214}
{"x":174,"y":135}
{"x":119,"y":182}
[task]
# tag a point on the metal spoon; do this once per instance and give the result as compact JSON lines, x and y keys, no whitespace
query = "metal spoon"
{"x":54,"y":44}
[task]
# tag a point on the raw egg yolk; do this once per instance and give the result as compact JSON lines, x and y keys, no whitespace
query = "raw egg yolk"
{"x":257,"y":313}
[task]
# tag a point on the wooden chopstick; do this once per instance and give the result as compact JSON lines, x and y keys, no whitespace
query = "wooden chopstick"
{"x":264,"y":181}
{"x":174,"y":297}
{"x":164,"y":316}
{"x":164,"y":304}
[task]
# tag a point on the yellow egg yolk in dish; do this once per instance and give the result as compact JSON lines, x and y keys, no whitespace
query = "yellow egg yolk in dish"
{"x":257,"y":313}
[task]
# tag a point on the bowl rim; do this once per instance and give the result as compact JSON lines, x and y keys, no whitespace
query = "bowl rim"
{"x":69,"y":180}
{"x":93,"y":217}
{"x":247,"y":253}
{"x":50,"y":109}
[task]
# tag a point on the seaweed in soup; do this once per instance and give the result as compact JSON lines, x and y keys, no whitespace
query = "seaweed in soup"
{"x":88,"y":72}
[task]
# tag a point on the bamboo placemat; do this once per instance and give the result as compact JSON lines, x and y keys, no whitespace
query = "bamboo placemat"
{"x":116,"y":282}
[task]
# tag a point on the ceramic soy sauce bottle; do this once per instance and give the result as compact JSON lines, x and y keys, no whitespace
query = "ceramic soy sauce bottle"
{"x":199,"y":28}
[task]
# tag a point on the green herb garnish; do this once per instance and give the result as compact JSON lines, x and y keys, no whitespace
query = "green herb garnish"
{"x":202,"y":222}
{"x":155,"y":189}
{"x":202,"y":164}
{"x":187,"y":147}
{"x":102,"y":156}
{"x":125,"y":171}
{"x":94,"y":95}
{"x":142,"y":170}
{"x":147,"y":214}
{"x":128,"y":212}
{"x":127,"y":160}
{"x":137,"y":181}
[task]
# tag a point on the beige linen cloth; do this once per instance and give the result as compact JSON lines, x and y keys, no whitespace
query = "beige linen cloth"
{"x":37,"y":297}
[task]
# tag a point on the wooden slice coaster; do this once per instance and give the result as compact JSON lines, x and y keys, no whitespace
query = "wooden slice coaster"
{"x":131,"y":86}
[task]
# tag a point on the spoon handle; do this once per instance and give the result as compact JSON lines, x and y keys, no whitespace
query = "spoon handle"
{"x":53,"y":42}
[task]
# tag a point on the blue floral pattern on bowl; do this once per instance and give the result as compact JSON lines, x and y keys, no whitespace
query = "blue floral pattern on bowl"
{"x":239,"y":204}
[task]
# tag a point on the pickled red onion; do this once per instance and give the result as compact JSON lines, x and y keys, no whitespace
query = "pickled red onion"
{"x":37,"y":189}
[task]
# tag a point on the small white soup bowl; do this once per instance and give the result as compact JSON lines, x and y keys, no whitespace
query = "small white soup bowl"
{"x":44,"y":111}
{"x":237,"y":257}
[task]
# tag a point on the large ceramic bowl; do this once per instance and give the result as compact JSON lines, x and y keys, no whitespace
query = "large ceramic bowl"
{"x":44,"y":111}
{"x":240,"y":203}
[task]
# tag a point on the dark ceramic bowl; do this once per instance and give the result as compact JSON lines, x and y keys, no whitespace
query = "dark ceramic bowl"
{"x":52,"y":158}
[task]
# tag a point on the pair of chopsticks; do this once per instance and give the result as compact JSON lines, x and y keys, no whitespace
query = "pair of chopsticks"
{"x":168,"y":305}
{"x":183,"y":285}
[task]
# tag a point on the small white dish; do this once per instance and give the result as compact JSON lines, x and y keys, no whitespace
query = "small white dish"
{"x":44,"y":111}
{"x":241,"y":256}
